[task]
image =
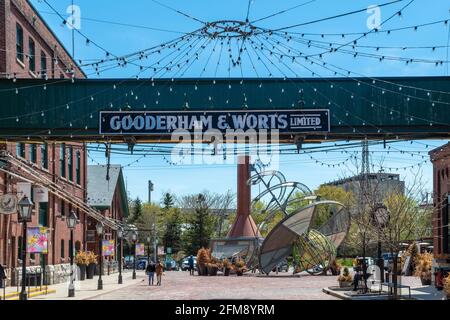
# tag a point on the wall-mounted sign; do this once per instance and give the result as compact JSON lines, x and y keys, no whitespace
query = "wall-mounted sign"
{"x":166,"y":122}
{"x":23,"y":189}
{"x":8,"y":204}
{"x":160,"y":250}
{"x":40,"y":194}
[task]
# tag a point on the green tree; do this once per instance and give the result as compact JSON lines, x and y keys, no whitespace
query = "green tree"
{"x":168,"y":201}
{"x":200,"y":226}
{"x":136,"y":210}
{"x":173,"y":229}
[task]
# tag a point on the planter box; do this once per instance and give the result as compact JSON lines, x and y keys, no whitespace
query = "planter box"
{"x":82,"y":268}
{"x":226,"y":272}
{"x":345,"y":284}
{"x":90,"y":271}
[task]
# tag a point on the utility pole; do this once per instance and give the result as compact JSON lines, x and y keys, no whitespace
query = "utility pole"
{"x":150,"y":189}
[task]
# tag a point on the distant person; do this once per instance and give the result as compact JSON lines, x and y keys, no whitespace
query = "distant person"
{"x":191,"y":265}
{"x":150,"y":271}
{"x":159,"y":272}
{"x":2,"y":275}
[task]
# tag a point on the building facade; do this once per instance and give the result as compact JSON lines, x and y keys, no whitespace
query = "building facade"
{"x":440,"y":158}
{"x":106,"y":192}
{"x":29,"y":49}
{"x":379,"y":185}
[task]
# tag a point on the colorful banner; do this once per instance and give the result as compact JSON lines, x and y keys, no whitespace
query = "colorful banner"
{"x":108,"y":248}
{"x":37,"y":240}
{"x":140,"y":249}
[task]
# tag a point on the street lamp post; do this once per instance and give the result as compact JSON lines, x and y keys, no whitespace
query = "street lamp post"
{"x":155,"y":243}
{"x":134,"y":240}
{"x":71,"y":224}
{"x":25,"y":210}
{"x":148,"y":249}
{"x":381,"y":218}
{"x":120,"y":236}
{"x":100,"y":238}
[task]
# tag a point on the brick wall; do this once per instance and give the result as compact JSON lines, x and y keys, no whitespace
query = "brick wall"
{"x":22,"y":13}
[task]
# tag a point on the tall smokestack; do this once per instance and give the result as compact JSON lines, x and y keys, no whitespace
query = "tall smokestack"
{"x":243,"y":226}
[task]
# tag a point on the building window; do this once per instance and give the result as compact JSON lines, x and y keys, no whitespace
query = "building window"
{"x":33,"y":153}
{"x":78,"y":167}
{"x":43,"y":64}
{"x":32,"y":56}
{"x":70,"y":163}
{"x":44,"y":156}
{"x":43,"y":214}
{"x":19,"y":42}
{"x":20,"y":150}
{"x":63,"y":208}
{"x":62,"y":160}
{"x":62,"y":249}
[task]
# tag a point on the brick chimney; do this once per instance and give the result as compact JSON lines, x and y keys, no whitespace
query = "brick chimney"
{"x":243,"y":226}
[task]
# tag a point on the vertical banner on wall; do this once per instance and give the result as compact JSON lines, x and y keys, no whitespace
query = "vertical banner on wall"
{"x":140,"y":249}
{"x":37,"y":240}
{"x":108,"y":247}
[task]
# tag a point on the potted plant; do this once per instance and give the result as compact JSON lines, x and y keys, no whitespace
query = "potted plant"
{"x":202,"y":260}
{"x":446,"y":282}
{"x":335,"y":267}
{"x":345,"y":279}
{"x":423,"y":268}
{"x":240,"y":268}
{"x":81,"y":261}
{"x":91,"y":258}
{"x":226,"y":267}
{"x":213,"y":267}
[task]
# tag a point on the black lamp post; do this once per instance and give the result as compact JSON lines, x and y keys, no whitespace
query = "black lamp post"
{"x":25,"y":210}
{"x":72,"y":221}
{"x":381,"y":218}
{"x":120,"y":236}
{"x":100,"y":245}
{"x":148,"y":249}
{"x":134,"y":240}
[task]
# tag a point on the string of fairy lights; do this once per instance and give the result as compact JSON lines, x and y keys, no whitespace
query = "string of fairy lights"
{"x":237,"y":48}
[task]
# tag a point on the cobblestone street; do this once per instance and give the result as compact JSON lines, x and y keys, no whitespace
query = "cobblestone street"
{"x":182,"y":286}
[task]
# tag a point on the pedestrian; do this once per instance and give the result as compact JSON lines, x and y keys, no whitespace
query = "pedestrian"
{"x":159,"y":271}
{"x":191,"y":265}
{"x":2,"y":276}
{"x":150,"y":271}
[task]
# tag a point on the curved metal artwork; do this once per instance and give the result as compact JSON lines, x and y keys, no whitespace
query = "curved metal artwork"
{"x":310,"y":230}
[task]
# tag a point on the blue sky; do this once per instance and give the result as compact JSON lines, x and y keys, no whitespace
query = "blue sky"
{"x":147,"y":14}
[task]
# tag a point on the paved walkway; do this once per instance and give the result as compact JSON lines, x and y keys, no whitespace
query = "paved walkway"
{"x":181,"y":286}
{"x":87,"y":289}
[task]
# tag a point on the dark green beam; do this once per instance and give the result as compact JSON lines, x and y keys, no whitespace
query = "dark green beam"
{"x":396,"y":112}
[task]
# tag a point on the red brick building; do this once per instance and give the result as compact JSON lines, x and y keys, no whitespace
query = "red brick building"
{"x":106,"y":192}
{"x":29,"y":49}
{"x":440,"y":158}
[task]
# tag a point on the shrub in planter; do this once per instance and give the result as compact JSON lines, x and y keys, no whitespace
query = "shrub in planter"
{"x":240,"y":268}
{"x":447,"y":286}
{"x":91,"y":265}
{"x":424,"y":263}
{"x":335,"y":268}
{"x":226,"y":267}
{"x":203,"y":258}
{"x":345,"y":279}
{"x":81,"y":261}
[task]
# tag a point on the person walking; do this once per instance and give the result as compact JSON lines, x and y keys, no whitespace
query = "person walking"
{"x":150,"y":271}
{"x":2,"y":276}
{"x":159,"y":271}
{"x":191,"y":265}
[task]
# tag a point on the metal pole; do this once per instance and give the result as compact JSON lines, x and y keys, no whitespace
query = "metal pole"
{"x":120,"y":261}
{"x":100,"y":281}
{"x":71,"y":286}
{"x":155,"y":249}
{"x":134,"y":261}
{"x":150,"y":187}
{"x":23,"y":295}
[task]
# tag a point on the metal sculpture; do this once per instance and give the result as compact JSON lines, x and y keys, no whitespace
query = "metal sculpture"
{"x":309,"y":229}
